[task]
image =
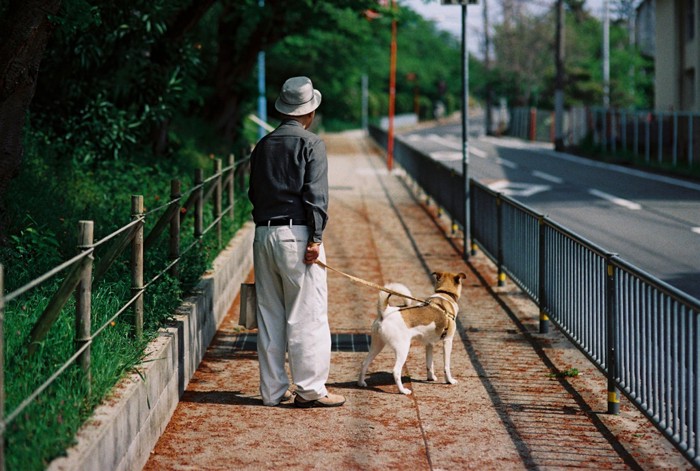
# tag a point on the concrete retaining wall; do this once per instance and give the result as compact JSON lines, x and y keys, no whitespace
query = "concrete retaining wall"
{"x":122,"y":432}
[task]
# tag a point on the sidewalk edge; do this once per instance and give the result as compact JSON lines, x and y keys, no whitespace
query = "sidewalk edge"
{"x":124,"y":429}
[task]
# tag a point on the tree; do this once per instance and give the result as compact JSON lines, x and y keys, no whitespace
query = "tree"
{"x":24,"y":33}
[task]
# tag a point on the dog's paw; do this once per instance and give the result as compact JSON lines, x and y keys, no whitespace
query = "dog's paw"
{"x":452,"y":381}
{"x":405,"y":391}
{"x":432,"y":377}
{"x":362,"y":384}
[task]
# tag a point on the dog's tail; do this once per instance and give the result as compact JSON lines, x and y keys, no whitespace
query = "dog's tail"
{"x":387,"y":299}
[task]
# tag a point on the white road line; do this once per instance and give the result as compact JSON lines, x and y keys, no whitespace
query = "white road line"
{"x":445,"y":142}
{"x":615,"y":200}
{"x":456,"y":145}
{"x":478,"y":152}
{"x":548,"y":177}
{"x":506,"y":163}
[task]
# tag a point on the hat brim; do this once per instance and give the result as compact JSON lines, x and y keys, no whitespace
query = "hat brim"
{"x":299,"y":110}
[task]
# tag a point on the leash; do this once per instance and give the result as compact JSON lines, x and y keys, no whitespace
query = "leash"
{"x":370,"y":284}
{"x":423,"y":302}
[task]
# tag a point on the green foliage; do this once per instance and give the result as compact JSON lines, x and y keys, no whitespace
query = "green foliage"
{"x":337,"y":54}
{"x":524,"y":70}
{"x":59,"y":195}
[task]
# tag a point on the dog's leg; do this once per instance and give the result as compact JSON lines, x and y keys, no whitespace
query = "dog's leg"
{"x":401,"y":350}
{"x":447,"y":348}
{"x":376,"y":346}
{"x":429,"y":362}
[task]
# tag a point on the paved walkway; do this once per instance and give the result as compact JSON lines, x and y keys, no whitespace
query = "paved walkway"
{"x":508,"y":411}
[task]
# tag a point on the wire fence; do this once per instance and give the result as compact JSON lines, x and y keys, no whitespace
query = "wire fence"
{"x":641,"y":333}
{"x":82,"y":271}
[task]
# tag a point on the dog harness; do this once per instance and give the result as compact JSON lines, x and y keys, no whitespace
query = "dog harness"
{"x":451,"y":315}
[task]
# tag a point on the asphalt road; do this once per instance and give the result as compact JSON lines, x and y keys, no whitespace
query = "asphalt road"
{"x":651,"y":221}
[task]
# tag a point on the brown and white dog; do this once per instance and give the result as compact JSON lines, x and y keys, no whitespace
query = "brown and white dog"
{"x":397,"y":325}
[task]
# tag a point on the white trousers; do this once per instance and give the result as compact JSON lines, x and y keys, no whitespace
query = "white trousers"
{"x":292,"y":314}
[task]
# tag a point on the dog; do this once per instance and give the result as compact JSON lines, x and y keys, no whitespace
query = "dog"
{"x":398,"y":323}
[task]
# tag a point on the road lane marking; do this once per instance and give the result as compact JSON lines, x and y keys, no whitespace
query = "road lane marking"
{"x":506,"y":163}
{"x":548,"y":177}
{"x":446,"y":155}
{"x":478,"y":152}
{"x":518,"y":189}
{"x":445,"y":142}
{"x":615,"y":200}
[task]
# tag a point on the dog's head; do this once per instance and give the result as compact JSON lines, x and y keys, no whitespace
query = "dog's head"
{"x":449,"y":283}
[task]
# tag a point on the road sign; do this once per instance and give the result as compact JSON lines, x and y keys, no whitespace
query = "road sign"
{"x":459,"y":2}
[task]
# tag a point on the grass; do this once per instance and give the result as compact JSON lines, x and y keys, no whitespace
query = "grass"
{"x":49,"y":198}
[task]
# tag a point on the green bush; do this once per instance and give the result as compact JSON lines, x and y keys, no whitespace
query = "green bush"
{"x":48,"y":199}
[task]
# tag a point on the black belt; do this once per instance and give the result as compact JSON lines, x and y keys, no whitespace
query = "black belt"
{"x":282,"y":222}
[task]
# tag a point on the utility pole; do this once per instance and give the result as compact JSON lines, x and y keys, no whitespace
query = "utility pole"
{"x":465,"y":132}
{"x":606,"y":54}
{"x":465,"y":119}
{"x":559,"y":85}
{"x":487,"y":65}
{"x":392,"y":92}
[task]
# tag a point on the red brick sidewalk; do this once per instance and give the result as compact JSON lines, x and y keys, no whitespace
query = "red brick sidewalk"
{"x":506,"y":412}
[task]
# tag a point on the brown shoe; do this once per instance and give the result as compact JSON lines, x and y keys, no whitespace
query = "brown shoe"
{"x":330,"y":400}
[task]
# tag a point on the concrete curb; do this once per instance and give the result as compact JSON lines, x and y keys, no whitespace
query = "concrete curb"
{"x":122,"y":431}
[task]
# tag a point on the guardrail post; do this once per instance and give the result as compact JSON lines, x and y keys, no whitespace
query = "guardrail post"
{"x":83,"y":303}
{"x":199,"y":203}
{"x":660,"y":147}
{"x":499,"y":236}
{"x":533,"y":123}
{"x":610,"y":314}
{"x":137,"y":265}
{"x":690,"y":140}
{"x":472,"y":217}
{"x":218,"y":196}
{"x":2,"y":370}
{"x":647,"y":138}
{"x":229,"y":184}
{"x":542,"y":294}
{"x":174,"y":235}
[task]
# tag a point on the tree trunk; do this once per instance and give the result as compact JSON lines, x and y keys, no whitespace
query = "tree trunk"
{"x":23,"y":37}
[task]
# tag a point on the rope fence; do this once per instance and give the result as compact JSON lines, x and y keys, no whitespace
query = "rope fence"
{"x":80,"y":277}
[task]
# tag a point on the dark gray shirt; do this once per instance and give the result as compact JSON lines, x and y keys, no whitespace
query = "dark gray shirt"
{"x":289,"y":178}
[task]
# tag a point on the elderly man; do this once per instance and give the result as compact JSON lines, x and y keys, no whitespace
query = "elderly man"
{"x":289,"y":192}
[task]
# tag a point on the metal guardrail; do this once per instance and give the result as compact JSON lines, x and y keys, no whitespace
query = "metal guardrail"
{"x":642,"y":333}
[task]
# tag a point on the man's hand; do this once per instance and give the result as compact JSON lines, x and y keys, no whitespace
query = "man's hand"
{"x":313,"y":249}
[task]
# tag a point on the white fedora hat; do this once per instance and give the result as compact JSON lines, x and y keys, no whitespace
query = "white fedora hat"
{"x":298,"y":97}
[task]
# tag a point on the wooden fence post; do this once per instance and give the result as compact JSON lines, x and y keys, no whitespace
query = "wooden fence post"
{"x":229,"y":183}
{"x":83,"y":303}
{"x":199,"y":203}
{"x":174,"y":240}
{"x":137,"y":265}
{"x":2,"y":370}
{"x":218,"y":196}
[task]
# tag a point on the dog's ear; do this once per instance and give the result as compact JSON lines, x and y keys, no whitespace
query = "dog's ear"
{"x":435,"y":275}
{"x":459,"y":277}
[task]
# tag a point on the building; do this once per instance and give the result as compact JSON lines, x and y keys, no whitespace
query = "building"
{"x":676,"y":50}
